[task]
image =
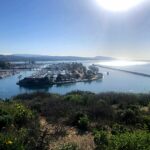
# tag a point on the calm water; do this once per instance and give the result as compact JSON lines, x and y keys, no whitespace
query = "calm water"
{"x":116,"y":81}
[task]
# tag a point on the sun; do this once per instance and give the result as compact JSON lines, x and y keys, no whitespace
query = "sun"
{"x":118,"y":5}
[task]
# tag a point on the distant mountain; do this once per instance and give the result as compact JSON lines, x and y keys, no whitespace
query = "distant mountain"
{"x":26,"y":57}
{"x":11,"y":58}
{"x":104,"y":58}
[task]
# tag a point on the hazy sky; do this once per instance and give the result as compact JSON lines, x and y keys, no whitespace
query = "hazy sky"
{"x":73,"y":27}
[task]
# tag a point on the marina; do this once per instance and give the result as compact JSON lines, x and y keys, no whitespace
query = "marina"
{"x":16,"y":68}
{"x":7,"y":73}
{"x":61,"y":73}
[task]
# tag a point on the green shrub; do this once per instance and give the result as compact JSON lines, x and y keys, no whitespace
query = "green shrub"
{"x":128,"y":117}
{"x":83,"y":123}
{"x":117,"y":129}
{"x":20,"y":127}
{"x":146,"y":120}
{"x":80,"y":120}
{"x":138,"y":140}
{"x":68,"y":146}
{"x":130,"y":141}
{"x":5,"y":121}
{"x":101,"y":140}
{"x":10,"y":142}
{"x":149,"y":107}
{"x":73,"y":98}
{"x":22,"y":115}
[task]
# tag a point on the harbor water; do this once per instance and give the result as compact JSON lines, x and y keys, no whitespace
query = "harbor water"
{"x":113,"y":80}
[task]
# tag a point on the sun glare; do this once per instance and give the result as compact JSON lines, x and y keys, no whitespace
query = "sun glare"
{"x":122,"y":63}
{"x":118,"y":5}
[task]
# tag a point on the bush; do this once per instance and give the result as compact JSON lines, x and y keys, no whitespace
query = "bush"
{"x":100,"y":110}
{"x":83,"y":123}
{"x":149,"y":107}
{"x":21,"y":128}
{"x":5,"y":121}
{"x":22,"y":115}
{"x":146,"y":120}
{"x":128,"y":117}
{"x":77,"y":99}
{"x":68,"y":146}
{"x":101,"y":140}
{"x":10,"y":142}
{"x":138,"y":140}
{"x":80,"y":120}
{"x":118,"y":129}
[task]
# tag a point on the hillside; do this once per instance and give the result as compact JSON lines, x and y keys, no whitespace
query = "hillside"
{"x":75,"y":121}
{"x":26,"y":57}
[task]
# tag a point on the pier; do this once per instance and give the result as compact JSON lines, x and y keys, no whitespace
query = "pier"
{"x":126,"y":71}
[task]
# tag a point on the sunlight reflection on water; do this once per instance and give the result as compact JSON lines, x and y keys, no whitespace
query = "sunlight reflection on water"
{"x":121,"y":63}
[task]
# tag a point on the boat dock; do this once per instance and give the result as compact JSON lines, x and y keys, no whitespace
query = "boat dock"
{"x":7,"y":73}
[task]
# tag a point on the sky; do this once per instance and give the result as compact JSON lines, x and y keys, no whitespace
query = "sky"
{"x":74,"y":28}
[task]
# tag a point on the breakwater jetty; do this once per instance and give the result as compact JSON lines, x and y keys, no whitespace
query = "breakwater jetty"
{"x":126,"y":71}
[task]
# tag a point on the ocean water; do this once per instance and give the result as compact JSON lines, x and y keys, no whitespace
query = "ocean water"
{"x":116,"y":81}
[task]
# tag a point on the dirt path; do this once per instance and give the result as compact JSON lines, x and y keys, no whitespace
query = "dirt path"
{"x":61,"y":135}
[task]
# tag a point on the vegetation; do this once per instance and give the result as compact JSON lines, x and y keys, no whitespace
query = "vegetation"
{"x":68,"y":146}
{"x":4,"y":65}
{"x":18,"y":126}
{"x":137,"y":140}
{"x":75,"y":121}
